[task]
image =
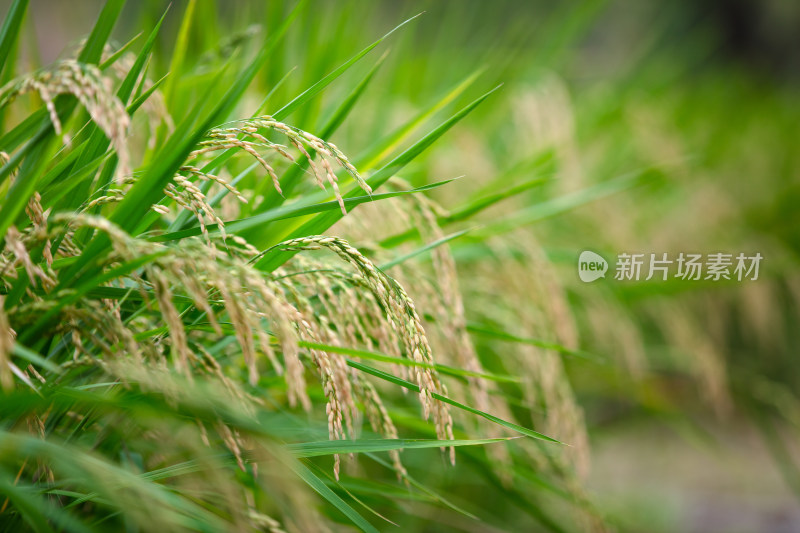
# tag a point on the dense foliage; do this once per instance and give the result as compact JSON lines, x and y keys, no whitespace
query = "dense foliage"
{"x":230,"y":248}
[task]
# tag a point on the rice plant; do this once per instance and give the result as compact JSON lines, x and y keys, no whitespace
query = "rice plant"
{"x":229,"y":249}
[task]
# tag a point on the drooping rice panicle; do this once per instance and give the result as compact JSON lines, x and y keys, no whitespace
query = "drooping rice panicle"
{"x":227,"y":138}
{"x":404,"y":317}
{"x":6,"y":347}
{"x":92,"y":90}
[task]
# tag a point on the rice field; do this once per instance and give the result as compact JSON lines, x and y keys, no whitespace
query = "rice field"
{"x":399,"y":266}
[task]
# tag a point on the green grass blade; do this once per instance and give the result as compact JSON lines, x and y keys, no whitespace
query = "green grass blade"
{"x":338,"y":116}
{"x":34,"y":358}
{"x":98,"y":142}
{"x":423,"y":249}
{"x":24,"y":130}
{"x":413,"y":387}
{"x":485,"y":331}
{"x":29,"y":504}
{"x":179,"y":52}
{"x":315,"y":89}
{"x":329,"y":447}
{"x":467,"y":211}
{"x":422,"y":488}
{"x":93,"y":49}
{"x":126,"y":89}
{"x":142,"y":98}
{"x":25,"y":183}
{"x":385,"y":147}
{"x":420,"y":146}
{"x":374,"y":356}
{"x":484,"y":202}
{"x":322,"y":489}
{"x":113,"y":58}
{"x":57,"y":182}
{"x":10,"y":30}
{"x":562,"y":204}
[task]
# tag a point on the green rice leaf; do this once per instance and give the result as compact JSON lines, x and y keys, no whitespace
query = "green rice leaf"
{"x":329,"y":447}
{"x":411,"y":386}
{"x":93,"y":48}
{"x":10,"y":30}
{"x":374,"y":356}
{"x":315,"y":89}
{"x":322,"y":489}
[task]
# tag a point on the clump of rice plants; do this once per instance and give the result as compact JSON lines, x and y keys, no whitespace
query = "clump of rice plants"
{"x":309,"y":266}
{"x":173,"y":355}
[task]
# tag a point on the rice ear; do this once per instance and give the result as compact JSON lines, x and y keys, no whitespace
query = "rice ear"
{"x":92,"y":90}
{"x":405,"y":320}
{"x":256,"y":128}
{"x":6,"y":347}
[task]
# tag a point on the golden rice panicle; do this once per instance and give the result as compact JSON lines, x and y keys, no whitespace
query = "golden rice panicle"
{"x":187,"y":195}
{"x":453,"y":346}
{"x":706,"y":362}
{"x":344,"y":303}
{"x":332,"y":369}
{"x":347,"y":313}
{"x":526,"y":270}
{"x":514,"y":269}
{"x":220,"y":139}
{"x":250,"y":298}
{"x":613,"y":330}
{"x":355,"y":309}
{"x":250,"y":136}
{"x":92,"y":90}
{"x":453,"y":319}
{"x":339,"y":319}
{"x":320,"y":146}
{"x":6,"y":347}
{"x":38,"y":220}
{"x":216,"y":179}
{"x":178,"y":339}
{"x":401,"y":312}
